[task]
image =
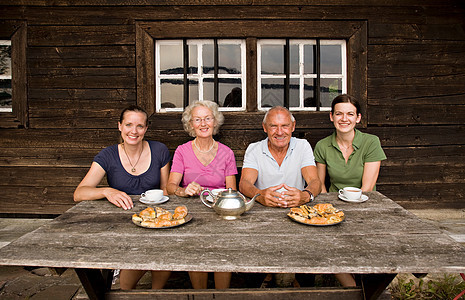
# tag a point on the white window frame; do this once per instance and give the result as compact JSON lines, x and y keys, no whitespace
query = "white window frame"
{"x":200,"y":76}
{"x":301,"y":76}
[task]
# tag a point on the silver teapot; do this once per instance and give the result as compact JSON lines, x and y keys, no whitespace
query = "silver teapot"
{"x":229,"y":204}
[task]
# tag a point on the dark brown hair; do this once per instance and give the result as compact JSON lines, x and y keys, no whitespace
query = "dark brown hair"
{"x":345,"y":98}
{"x":136,"y":109}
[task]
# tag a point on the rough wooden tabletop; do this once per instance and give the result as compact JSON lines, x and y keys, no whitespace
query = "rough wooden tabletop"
{"x":377,"y":236}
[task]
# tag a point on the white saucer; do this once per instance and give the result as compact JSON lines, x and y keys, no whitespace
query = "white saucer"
{"x":151,"y":202}
{"x":364,"y":198}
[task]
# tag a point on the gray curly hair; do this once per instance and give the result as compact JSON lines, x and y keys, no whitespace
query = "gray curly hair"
{"x":187,"y":116}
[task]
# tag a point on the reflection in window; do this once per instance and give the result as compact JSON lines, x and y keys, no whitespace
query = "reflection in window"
{"x":189,"y":70}
{"x":5,"y":76}
{"x":300,"y":74}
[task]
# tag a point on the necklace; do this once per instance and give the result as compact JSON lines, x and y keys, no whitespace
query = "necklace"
{"x":133,"y":166}
{"x":344,"y":147}
{"x":195,"y":144}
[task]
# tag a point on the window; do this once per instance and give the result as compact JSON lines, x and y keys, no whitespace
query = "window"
{"x":300,"y":74}
{"x":13,"y":87}
{"x":5,"y":76}
{"x":189,"y":70}
{"x":315,"y":61}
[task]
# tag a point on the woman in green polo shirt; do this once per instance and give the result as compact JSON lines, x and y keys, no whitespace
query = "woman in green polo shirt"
{"x":351,"y":157}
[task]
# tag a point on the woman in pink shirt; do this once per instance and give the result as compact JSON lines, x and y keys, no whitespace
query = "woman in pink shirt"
{"x":202,"y":163}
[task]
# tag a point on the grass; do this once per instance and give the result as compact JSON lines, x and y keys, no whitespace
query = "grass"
{"x":436,"y":286}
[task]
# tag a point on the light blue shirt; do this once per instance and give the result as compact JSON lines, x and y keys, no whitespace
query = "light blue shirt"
{"x":270,"y":173}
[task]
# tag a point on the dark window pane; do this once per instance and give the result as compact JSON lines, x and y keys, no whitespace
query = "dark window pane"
{"x":329,"y":88}
{"x":171,"y":93}
{"x":309,"y":59}
{"x":208,"y":57}
{"x":5,"y":60}
{"x":294,"y":59}
{"x":208,"y":89}
{"x":193,"y":90}
{"x":272,"y":92}
{"x":171,"y":61}
{"x":229,"y":57}
{"x":272,"y":59}
{"x":5,"y":94}
{"x":309,"y":93}
{"x":193,"y":67}
{"x":294,"y":92}
{"x":331,"y":61}
{"x":230,"y":92}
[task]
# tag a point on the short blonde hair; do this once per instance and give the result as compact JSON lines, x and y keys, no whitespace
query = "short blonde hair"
{"x":187,"y":116}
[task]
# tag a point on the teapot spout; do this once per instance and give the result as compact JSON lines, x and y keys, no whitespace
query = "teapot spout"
{"x":251,"y":202}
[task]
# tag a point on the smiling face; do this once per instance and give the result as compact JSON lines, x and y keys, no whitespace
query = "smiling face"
{"x":279,"y":127}
{"x":133,"y":127}
{"x":203,"y":121}
{"x":345,"y":117}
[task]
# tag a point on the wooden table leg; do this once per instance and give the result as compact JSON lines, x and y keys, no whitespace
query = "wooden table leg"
{"x":95,"y":282}
{"x":374,"y":284}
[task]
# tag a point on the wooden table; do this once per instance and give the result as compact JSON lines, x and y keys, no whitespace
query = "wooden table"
{"x":378,"y":238}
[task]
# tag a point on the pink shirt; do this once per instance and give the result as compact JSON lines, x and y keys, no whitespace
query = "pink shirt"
{"x":212,"y":176}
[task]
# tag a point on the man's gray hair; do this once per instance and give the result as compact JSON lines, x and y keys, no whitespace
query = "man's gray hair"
{"x":282,"y":108}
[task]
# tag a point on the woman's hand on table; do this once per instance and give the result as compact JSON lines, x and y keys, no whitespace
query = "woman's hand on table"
{"x":193,"y":189}
{"x":119,"y":198}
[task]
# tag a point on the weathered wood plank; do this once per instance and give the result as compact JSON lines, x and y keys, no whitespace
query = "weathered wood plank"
{"x":46,"y":157}
{"x":80,"y":35}
{"x":75,"y":78}
{"x":41,"y":176}
{"x":55,"y":96}
{"x":396,"y":97}
{"x":441,"y":156}
{"x":232,"y":2}
{"x":414,"y":33}
{"x":422,"y":174}
{"x":409,"y":55}
{"x":85,"y":15}
{"x":239,"y":294}
{"x":419,"y":135}
{"x":245,"y":28}
{"x":91,"y":56}
{"x":425,"y":195}
{"x":413,"y":114}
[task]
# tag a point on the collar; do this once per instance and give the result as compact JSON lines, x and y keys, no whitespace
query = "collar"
{"x":266,"y":151}
{"x":356,"y":143}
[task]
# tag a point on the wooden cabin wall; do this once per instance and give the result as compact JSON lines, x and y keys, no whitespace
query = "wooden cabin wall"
{"x":81,"y":72}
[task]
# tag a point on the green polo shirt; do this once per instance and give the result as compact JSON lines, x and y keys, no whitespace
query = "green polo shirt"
{"x":367,"y":148}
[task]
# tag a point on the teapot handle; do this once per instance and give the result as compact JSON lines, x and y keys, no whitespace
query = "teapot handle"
{"x":204,"y":200}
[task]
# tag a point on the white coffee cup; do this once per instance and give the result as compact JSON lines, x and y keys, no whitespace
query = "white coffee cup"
{"x":351,"y":193}
{"x":152,"y":195}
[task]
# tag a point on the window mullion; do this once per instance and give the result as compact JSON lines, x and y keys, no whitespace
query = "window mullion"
{"x":301,"y":77}
{"x":286,"y":72}
{"x":318,"y":74}
{"x":215,"y":72}
{"x":185,"y":69}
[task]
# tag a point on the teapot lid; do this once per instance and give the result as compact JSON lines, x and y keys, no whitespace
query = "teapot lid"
{"x":229,"y":193}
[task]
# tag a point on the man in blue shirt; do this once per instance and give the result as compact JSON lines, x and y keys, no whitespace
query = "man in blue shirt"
{"x":280,"y":168}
